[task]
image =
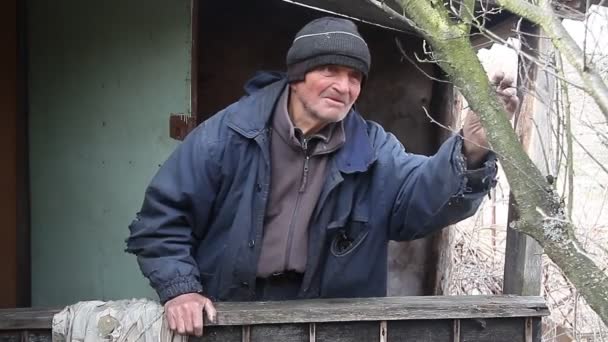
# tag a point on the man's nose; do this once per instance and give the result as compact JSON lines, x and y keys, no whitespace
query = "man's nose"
{"x":341,"y":83}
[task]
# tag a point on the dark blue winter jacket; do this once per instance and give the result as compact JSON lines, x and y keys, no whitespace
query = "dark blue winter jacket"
{"x":201,"y":224}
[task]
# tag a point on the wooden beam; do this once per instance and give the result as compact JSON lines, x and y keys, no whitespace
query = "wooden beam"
{"x":523,"y":255}
{"x":334,"y":310}
{"x":8,"y":154}
{"x":447,"y":106}
{"x":504,"y":29}
{"x":23,"y":171}
{"x":194,"y":59}
{"x":27,"y":318}
{"x":565,"y":9}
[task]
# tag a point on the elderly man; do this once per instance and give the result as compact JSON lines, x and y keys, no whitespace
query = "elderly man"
{"x":289,"y":193}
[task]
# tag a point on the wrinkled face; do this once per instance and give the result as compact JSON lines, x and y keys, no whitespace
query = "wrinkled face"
{"x":328,"y":92}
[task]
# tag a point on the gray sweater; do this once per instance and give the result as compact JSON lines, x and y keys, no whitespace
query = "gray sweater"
{"x":298,"y":165}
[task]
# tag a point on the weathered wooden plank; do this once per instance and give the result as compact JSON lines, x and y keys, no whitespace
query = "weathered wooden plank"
{"x":456,"y":330}
{"x":528,"y":330}
{"x":537,"y":329}
{"x":495,"y":330}
{"x":348,"y":332}
{"x":334,"y":310}
{"x":505,"y":28}
{"x":280,"y":333}
{"x":498,"y":330}
{"x":420,"y":331}
{"x":383,"y":331}
{"x":27,"y":318}
{"x":11,"y":336}
{"x":219,"y":334}
{"x":26,"y":336}
{"x":523,"y":255}
{"x":39,"y":336}
{"x":523,"y":260}
{"x":246,"y":334}
{"x":378,"y":309}
{"x":445,"y":106}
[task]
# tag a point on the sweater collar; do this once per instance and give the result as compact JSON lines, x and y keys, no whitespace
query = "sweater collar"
{"x":327,"y":140}
{"x":251,"y":116}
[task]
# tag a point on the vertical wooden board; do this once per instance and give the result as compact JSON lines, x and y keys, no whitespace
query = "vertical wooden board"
{"x":39,"y":336}
{"x":445,"y":108}
{"x":220,"y":334}
{"x":523,"y":255}
{"x":420,"y":331}
{"x":493,"y":329}
{"x":348,"y":332}
{"x":11,"y":336}
{"x":23,"y":175}
{"x":8,"y":148}
{"x":26,"y":336}
{"x":194,"y":61}
{"x":396,"y":96}
{"x":280,"y":333}
{"x":537,"y":329}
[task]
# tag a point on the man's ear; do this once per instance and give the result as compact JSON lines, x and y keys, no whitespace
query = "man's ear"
{"x":293,"y":87}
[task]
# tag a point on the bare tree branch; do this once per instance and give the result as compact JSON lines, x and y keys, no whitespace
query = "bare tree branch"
{"x":541,"y":213}
{"x":546,"y":18}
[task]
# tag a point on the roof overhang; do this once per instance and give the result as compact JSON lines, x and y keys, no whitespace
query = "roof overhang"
{"x":387,"y":13}
{"x":367,"y":11}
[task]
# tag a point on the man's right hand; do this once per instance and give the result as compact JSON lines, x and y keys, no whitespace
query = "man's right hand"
{"x":184,"y":313}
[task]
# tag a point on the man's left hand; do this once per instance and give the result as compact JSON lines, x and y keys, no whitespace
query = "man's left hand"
{"x":475,"y":145}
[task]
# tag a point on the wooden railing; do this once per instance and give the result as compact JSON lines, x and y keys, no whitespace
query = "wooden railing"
{"x":440,"y":318}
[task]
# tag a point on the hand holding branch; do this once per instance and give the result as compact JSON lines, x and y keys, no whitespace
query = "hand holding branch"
{"x":475,"y":146}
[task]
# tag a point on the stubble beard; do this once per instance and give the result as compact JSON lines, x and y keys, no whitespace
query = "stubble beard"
{"x":318,"y":117}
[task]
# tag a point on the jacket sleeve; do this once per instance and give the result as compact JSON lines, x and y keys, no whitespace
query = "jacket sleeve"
{"x":177,"y":200}
{"x":435,"y":191}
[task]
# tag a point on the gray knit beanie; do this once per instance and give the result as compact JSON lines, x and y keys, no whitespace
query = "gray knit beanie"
{"x":325,"y":41}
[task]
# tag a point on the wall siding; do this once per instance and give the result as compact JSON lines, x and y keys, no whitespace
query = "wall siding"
{"x":104,"y":78}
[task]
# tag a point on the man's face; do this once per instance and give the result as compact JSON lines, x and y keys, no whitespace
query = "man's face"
{"x":328,"y":92}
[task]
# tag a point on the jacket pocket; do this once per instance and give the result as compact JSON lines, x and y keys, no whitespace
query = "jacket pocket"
{"x":355,"y":265}
{"x":347,"y":236}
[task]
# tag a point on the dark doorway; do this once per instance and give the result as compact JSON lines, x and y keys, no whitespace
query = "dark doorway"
{"x":14,"y":213}
{"x":237,"y":38}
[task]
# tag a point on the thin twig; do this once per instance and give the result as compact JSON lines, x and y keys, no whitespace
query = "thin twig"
{"x":404,"y":55}
{"x":599,"y":163}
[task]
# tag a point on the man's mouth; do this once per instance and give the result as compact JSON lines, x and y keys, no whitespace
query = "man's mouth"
{"x":336,"y":100}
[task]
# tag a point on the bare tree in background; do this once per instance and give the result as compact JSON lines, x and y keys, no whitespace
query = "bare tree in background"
{"x":544,"y":212}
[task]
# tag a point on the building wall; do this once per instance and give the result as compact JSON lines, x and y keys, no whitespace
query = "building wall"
{"x":8,"y":153}
{"x":104,"y":77}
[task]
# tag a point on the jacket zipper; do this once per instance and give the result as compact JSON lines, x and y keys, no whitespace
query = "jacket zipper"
{"x":306,"y":159}
{"x":295,"y":211}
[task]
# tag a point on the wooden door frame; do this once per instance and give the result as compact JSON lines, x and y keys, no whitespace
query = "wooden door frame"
{"x":15,"y":181}
{"x":194,"y":27}
{"x":23,"y":175}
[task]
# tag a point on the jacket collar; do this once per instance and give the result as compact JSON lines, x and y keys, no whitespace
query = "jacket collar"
{"x":251,"y":117}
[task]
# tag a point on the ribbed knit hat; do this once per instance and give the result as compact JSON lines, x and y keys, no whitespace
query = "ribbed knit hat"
{"x":325,"y":41}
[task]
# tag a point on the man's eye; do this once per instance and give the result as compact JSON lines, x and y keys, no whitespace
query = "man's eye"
{"x":355,"y":78}
{"x":329,"y":69}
